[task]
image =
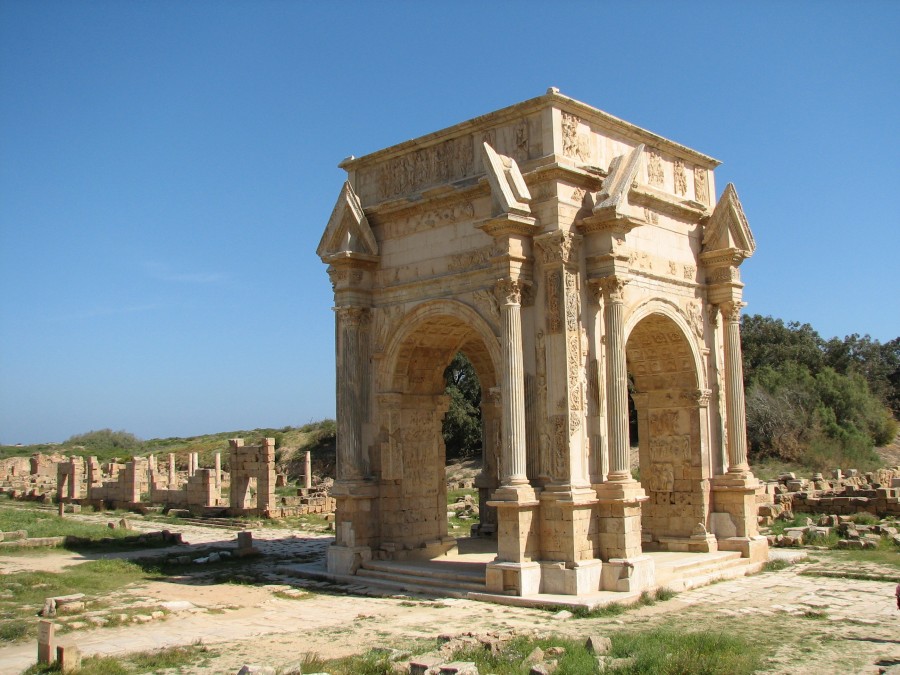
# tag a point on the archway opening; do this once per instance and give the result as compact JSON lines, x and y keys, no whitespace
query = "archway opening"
{"x":462,"y":431}
{"x":435,"y":422}
{"x":662,"y":369}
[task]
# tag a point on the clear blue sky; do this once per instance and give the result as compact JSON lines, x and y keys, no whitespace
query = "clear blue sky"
{"x":167,"y":168}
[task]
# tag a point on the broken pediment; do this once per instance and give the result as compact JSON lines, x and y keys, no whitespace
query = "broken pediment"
{"x":508,"y":188}
{"x":612,"y":199}
{"x":348,"y":233}
{"x":727,"y":228}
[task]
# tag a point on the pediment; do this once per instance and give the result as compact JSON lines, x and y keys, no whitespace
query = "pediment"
{"x":348,"y":232}
{"x":727,"y":227}
{"x":612,"y":198}
{"x":508,"y":187}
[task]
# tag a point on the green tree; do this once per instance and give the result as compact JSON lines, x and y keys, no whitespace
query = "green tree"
{"x":462,"y":424}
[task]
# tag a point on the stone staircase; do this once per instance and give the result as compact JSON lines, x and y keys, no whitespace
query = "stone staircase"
{"x":446,"y":579}
{"x":682,"y":573}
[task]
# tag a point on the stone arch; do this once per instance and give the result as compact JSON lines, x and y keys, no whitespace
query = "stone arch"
{"x":412,"y":500}
{"x":664,"y":363}
{"x":670,"y":310}
{"x":441,"y":325}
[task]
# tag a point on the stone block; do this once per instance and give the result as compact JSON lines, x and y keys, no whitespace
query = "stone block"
{"x":46,"y":647}
{"x":68,"y":657}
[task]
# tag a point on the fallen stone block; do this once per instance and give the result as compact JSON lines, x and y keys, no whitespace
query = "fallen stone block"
{"x":597,"y":644}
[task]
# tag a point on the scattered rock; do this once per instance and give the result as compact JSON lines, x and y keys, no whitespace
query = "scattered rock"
{"x":597,"y":644}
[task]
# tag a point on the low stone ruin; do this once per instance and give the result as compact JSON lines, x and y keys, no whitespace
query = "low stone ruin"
{"x":875,"y":492}
{"x":142,"y":484}
{"x":843,"y":502}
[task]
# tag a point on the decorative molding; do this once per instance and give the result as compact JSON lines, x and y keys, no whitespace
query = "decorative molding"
{"x":472,"y":259}
{"x":508,"y":188}
{"x":558,"y":247}
{"x":487,"y":302}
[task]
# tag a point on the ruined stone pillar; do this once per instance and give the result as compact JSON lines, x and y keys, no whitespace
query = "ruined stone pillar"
{"x":734,"y":389}
{"x":171,"y":471}
{"x":265,"y":481}
{"x":352,"y":392}
{"x":513,"y":475}
{"x":307,"y":470}
{"x":219,"y":470}
{"x":616,"y":379}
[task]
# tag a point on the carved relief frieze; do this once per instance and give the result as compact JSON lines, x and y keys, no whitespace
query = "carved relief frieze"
{"x":724,"y":274}
{"x":689,"y":272}
{"x":442,"y":163}
{"x":663,"y":422}
{"x":575,"y":144}
{"x":680,"y":178}
{"x":554,"y":291}
{"x":675,"y":449}
{"x":477,"y":258}
{"x":429,"y":219}
{"x":701,"y":191}
{"x":486,"y":301}
{"x":573,"y":363}
{"x":578,"y":195}
{"x":559,"y":247}
{"x":693,"y":309}
{"x":384,"y":321}
{"x":540,"y":367}
{"x":558,"y":463}
{"x":655,"y":175}
{"x":571,"y":301}
{"x":521,"y":141}
{"x":661,"y":477}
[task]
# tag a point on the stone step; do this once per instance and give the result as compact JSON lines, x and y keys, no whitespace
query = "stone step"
{"x":680,"y":576}
{"x":435,"y":584}
{"x":411,"y":585}
{"x":698,"y":563}
{"x":474,"y":574}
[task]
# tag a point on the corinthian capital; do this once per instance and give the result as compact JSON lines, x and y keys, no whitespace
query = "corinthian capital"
{"x":613,"y":288}
{"x":731,"y":310}
{"x":509,"y":291}
{"x":352,"y":316}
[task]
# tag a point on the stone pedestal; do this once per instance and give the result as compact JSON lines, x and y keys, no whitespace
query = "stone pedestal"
{"x":522,"y":578}
{"x":734,"y":516}
{"x":347,"y":559}
{"x":575,"y":578}
{"x":517,"y":530}
{"x":619,"y":507}
{"x":628,"y":575}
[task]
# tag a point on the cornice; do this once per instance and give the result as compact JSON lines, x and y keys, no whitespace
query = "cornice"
{"x":552,"y":99}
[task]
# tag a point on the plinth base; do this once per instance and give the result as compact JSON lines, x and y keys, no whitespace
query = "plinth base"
{"x":628,"y":575}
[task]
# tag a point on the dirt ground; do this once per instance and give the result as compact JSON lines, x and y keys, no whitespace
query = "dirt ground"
{"x":810,"y":624}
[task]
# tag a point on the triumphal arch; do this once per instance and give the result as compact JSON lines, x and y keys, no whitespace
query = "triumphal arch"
{"x":585,"y":267}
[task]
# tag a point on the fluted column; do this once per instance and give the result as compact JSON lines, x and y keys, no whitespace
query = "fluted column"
{"x":736,"y":423}
{"x":512,"y":389}
{"x":616,"y":378}
{"x":351,"y":370}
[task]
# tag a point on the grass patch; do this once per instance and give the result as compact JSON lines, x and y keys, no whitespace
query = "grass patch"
{"x":776,"y":565}
{"x":44,"y":523}
{"x":667,"y":652}
{"x":141,"y":662}
{"x":28,"y":590}
{"x":889,"y":557}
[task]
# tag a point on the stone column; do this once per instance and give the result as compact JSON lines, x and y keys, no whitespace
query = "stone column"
{"x":172,"y":473}
{"x":219,"y":470}
{"x":616,"y":379}
{"x":307,"y":471}
{"x":512,"y":391}
{"x":734,"y":389}
{"x":351,"y":392}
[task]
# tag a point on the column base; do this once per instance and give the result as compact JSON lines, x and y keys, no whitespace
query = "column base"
{"x":619,"y":519}
{"x":521,"y":578}
{"x":346,"y":560}
{"x":513,"y":493}
{"x":582,"y":577}
{"x":628,"y":575}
